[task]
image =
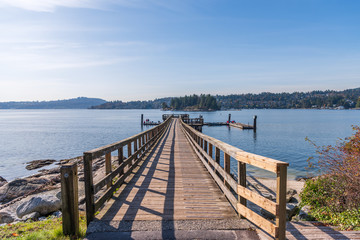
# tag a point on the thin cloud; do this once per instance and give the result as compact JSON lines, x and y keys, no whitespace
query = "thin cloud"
{"x":50,"y":5}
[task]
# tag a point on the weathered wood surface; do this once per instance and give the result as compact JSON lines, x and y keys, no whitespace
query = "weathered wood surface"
{"x":171,"y":184}
{"x":70,"y":199}
{"x":312,"y":230}
{"x":241,"y":125}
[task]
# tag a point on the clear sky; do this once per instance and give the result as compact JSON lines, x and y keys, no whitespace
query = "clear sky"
{"x":145,"y":49}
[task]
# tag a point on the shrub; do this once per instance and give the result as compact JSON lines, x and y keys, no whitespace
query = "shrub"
{"x":340,"y":167}
{"x":335,"y":195}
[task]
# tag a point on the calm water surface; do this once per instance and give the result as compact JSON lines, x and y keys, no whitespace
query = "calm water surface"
{"x":27,"y":135}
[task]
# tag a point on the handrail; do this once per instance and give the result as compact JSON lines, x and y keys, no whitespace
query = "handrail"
{"x":205,"y":146}
{"x":137,"y":147}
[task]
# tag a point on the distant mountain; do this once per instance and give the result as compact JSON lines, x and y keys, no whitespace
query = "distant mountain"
{"x":74,"y":103}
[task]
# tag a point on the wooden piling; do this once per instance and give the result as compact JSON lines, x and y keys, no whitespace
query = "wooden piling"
{"x":254,"y":125}
{"x":142,"y":119}
{"x":229,"y":117}
{"x":69,"y":198}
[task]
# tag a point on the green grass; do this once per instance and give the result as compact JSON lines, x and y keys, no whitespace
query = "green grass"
{"x":346,"y":220}
{"x":320,"y":194}
{"x":50,"y":228}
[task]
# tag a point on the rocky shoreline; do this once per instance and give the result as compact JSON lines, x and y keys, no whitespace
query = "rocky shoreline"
{"x":38,"y":196}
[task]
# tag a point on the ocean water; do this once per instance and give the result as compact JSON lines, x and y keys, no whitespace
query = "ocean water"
{"x":27,"y":135}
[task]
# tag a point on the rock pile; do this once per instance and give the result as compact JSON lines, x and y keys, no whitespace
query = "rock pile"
{"x":2,"y":181}
{"x":39,"y":164}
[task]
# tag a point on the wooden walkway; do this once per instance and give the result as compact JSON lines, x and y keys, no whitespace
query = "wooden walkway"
{"x":168,"y":187}
{"x":172,"y":184}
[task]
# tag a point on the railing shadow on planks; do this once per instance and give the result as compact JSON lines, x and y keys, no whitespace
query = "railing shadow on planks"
{"x":137,"y":148}
{"x":205,"y":147}
{"x":208,"y":150}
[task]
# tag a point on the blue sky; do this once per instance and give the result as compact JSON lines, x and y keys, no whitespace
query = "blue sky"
{"x":146,"y":49}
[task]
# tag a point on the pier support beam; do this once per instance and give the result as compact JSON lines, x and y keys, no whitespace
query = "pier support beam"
{"x":229,"y":117}
{"x":142,"y":119}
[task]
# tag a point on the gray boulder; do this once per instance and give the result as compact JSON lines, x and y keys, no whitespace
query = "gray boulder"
{"x":31,"y":216}
{"x":2,"y":181}
{"x":57,"y":214}
{"x":39,"y":164}
{"x":304,"y":213}
{"x":20,"y":187}
{"x":6,"y":217}
{"x":291,"y":210}
{"x":290,"y":195}
{"x":41,"y":204}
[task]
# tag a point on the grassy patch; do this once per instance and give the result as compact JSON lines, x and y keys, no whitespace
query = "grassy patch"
{"x":50,"y":228}
{"x":346,"y":220}
{"x":320,"y":194}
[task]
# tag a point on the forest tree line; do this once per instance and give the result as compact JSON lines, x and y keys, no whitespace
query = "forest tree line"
{"x":315,"y":99}
{"x":193,"y":103}
{"x":349,"y":98}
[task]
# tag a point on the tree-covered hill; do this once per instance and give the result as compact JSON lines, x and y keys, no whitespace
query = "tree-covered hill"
{"x":315,"y":99}
{"x":194,"y":103}
{"x":74,"y":103}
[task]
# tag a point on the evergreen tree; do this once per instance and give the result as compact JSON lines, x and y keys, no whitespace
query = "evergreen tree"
{"x":358,"y":103}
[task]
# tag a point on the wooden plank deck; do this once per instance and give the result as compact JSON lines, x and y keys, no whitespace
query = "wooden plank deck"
{"x":171,"y":184}
{"x":304,"y":230}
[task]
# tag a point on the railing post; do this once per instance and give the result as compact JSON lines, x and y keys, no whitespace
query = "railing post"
{"x":69,"y":199}
{"x":135,"y":148}
{"x":242,"y":181}
{"x":108,"y":166}
{"x":205,"y":146}
{"x":210,"y":150}
{"x":281,"y":180}
{"x":121,"y":159}
{"x":140,"y":145}
{"x":143,"y":141}
{"x":217,"y":155}
{"x":226,"y":167}
{"x":89,"y":191}
{"x":129,"y":153}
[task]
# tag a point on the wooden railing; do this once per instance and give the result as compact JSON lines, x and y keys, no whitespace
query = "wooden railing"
{"x":208,"y":150}
{"x":166,"y":116}
{"x":193,"y":121}
{"x":137,"y":147}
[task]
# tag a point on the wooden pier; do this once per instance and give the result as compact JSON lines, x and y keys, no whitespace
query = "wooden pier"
{"x":172,"y":174}
{"x":198,"y":123}
{"x":241,"y":125}
{"x":168,"y":182}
